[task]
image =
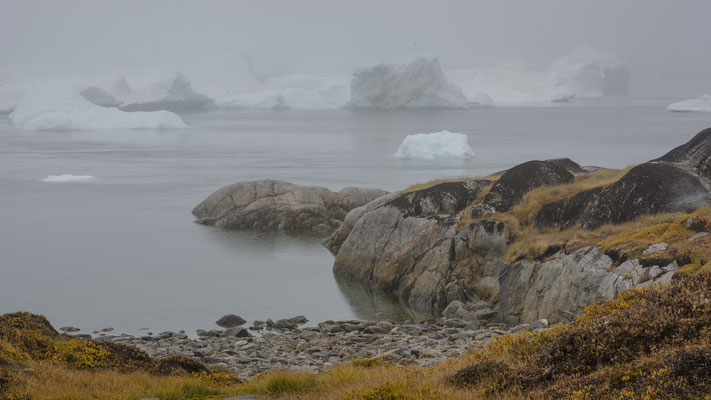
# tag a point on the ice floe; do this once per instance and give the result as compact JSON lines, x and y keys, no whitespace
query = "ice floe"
{"x":435,"y":146}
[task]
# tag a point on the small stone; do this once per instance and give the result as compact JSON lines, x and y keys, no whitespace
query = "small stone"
{"x":541,"y":323}
{"x":387,"y":325}
{"x":269,"y":322}
{"x":455,"y":323}
{"x":698,"y":236}
{"x":69,"y":329}
{"x":284,"y":324}
{"x":235,"y":332}
{"x":299,"y":319}
{"x":375,"y":330}
{"x":230,"y":321}
{"x":657,"y":247}
{"x":107,"y":329}
{"x":522,"y":327}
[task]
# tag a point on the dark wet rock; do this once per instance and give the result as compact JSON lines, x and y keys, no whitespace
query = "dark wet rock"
{"x":299,"y":319}
{"x":230,"y":321}
{"x":696,"y":153}
{"x":284,"y":324}
{"x":69,"y":329}
{"x":270,"y":205}
{"x":567,"y":212}
{"x":442,"y":199}
{"x":235,"y":332}
{"x":649,"y":188}
{"x":521,"y":179}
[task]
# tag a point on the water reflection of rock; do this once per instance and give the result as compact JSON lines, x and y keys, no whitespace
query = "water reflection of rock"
{"x":373,"y":305}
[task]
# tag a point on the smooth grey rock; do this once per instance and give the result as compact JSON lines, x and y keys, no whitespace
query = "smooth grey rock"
{"x":284,"y":324}
{"x":655,"y":248}
{"x":698,"y":236}
{"x":69,"y":329}
{"x":271,"y":205}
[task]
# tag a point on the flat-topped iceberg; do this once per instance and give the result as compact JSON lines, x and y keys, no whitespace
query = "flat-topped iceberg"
{"x":416,"y":83}
{"x":68,"y":178}
{"x":435,"y":146}
{"x":60,"y":108}
{"x":699,"y":104}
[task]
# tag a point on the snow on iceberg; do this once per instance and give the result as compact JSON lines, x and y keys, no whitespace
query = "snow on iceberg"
{"x":699,"y":104}
{"x":68,"y":178}
{"x":417,"y":83}
{"x":177,"y":96}
{"x":60,"y":108}
{"x":291,"y":91}
{"x":588,"y":72}
{"x":435,"y":146}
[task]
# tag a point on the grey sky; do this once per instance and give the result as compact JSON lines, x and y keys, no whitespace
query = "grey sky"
{"x":90,"y":37}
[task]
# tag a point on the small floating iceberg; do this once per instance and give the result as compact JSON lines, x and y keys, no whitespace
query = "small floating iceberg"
{"x":60,"y":108}
{"x":68,"y":178}
{"x":699,"y":104}
{"x":435,"y":146}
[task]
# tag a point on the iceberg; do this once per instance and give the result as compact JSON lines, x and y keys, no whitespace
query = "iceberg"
{"x":585,"y":73}
{"x":291,"y":91}
{"x":65,"y":178}
{"x":61,"y":108}
{"x":100,"y":97}
{"x":178,"y":96}
{"x":435,"y":146}
{"x":699,"y":104}
{"x":417,"y":83}
{"x":588,"y":72}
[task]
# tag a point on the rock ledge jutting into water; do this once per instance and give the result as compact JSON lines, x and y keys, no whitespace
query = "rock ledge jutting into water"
{"x":271,"y":205}
{"x":444,"y":244}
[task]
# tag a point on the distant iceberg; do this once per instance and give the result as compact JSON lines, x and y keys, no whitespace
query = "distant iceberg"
{"x":291,"y":91}
{"x":417,"y":83}
{"x":699,"y":104}
{"x":435,"y":146}
{"x":178,"y":96}
{"x":585,"y":73}
{"x":68,"y":178}
{"x":588,"y":72}
{"x":61,"y":108}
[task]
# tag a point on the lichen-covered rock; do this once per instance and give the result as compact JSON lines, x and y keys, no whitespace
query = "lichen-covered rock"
{"x":521,"y":179}
{"x":409,"y":246}
{"x":270,"y":205}
{"x":695,"y":153}
{"x":557,"y":289}
{"x":649,"y":188}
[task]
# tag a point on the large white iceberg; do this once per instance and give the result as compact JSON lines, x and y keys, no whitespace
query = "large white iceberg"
{"x":435,"y":146}
{"x":699,"y":104}
{"x":417,"y":83}
{"x":291,"y":91}
{"x":60,"y":108}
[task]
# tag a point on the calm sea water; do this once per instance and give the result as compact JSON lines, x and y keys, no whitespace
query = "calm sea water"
{"x":122,"y":251}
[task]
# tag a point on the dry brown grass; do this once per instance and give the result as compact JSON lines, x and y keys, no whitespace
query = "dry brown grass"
{"x":44,"y":380}
{"x":429,"y":184}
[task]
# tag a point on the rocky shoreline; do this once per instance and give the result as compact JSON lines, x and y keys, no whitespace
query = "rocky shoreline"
{"x":270,"y":345}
